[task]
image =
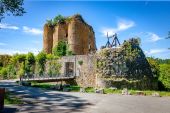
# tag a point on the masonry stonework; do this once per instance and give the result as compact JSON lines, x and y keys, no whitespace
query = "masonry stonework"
{"x":78,"y":34}
{"x":83,"y":69}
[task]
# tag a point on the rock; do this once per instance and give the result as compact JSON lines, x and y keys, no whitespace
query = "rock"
{"x":82,"y":90}
{"x":101,"y":91}
{"x":113,"y":88}
{"x":155,"y":94}
{"x":125,"y":91}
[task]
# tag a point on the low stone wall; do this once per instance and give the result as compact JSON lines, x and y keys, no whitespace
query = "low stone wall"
{"x":143,"y":84}
{"x":84,"y":69}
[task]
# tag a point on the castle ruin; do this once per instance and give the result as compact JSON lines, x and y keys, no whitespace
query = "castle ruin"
{"x":75,"y":31}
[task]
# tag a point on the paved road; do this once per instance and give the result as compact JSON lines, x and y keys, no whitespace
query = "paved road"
{"x":43,"y":101}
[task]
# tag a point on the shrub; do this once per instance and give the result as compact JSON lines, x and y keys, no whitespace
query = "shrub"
{"x":165,"y":75}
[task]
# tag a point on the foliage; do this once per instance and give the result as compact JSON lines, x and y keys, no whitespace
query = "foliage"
{"x":30,"y":63}
{"x":41,"y":59}
{"x":11,"y":71}
{"x":3,"y":73}
{"x":130,"y":49}
{"x":154,"y":66}
{"x":60,"y":49}
{"x":4,"y":60}
{"x":53,"y":67}
{"x":165,"y":75}
{"x":80,"y":62}
{"x":21,"y":71}
{"x":58,"y":19}
{"x":161,"y":61}
{"x":13,"y":7}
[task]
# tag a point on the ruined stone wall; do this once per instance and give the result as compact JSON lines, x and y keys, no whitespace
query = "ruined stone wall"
{"x":78,"y":34}
{"x":85,"y":72}
{"x":60,"y":33}
{"x":48,"y":39}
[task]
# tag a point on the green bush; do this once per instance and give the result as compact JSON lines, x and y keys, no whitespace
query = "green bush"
{"x":165,"y":75}
{"x":3,"y":73}
{"x":60,"y":49}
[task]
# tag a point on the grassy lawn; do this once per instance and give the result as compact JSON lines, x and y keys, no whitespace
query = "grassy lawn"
{"x":92,"y":90}
{"x":11,"y":99}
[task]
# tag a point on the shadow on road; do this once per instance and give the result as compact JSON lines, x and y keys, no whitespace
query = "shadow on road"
{"x":38,"y":100}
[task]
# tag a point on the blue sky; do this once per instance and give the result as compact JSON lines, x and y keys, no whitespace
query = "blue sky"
{"x":148,"y":20}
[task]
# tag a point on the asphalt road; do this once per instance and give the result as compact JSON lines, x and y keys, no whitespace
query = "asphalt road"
{"x":46,"y":101}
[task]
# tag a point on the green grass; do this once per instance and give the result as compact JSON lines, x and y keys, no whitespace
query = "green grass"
{"x":106,"y":90}
{"x":89,"y":90}
{"x":75,"y":88}
{"x":134,"y":92}
{"x":11,"y":99}
{"x":42,"y":85}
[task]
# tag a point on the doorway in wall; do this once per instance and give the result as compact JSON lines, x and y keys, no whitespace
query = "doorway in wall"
{"x":69,"y":66}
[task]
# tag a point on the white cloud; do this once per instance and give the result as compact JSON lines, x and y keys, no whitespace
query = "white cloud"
{"x":153,"y":37}
{"x":121,"y":26}
{"x":147,"y":36}
{"x":12,"y":52}
{"x":33,"y":31}
{"x":7,"y":26}
{"x":2,"y":44}
{"x":156,"y":51}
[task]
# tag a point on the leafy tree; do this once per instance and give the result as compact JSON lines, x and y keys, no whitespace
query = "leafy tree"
{"x":4,"y":60}
{"x":165,"y":75}
{"x":21,"y":58}
{"x":3,"y":73}
{"x":41,"y":59}
{"x":9,"y":7}
{"x":60,"y":49}
{"x":11,"y":71}
{"x":21,"y":71}
{"x":30,"y":63}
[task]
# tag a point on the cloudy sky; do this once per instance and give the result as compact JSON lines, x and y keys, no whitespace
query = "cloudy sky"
{"x":148,"y":20}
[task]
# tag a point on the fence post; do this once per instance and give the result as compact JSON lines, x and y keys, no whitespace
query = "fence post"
{"x":2,"y":96}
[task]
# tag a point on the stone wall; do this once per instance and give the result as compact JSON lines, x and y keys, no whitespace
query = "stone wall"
{"x":120,"y":83}
{"x":85,"y":72}
{"x":48,"y":39}
{"x":79,"y":35}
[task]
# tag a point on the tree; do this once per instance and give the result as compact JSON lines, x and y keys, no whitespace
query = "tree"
{"x":3,"y":73}
{"x":165,"y":75}
{"x":21,"y":71}
{"x":9,"y":7}
{"x":30,"y":63}
{"x":60,"y":49}
{"x":41,"y":59}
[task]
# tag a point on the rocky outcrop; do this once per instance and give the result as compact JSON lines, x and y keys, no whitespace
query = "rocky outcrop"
{"x":75,"y":31}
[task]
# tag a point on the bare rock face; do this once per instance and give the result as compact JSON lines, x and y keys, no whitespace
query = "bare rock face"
{"x":48,"y":39}
{"x":78,"y":34}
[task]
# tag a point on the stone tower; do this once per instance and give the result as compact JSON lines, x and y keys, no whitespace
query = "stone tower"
{"x":76,"y":32}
